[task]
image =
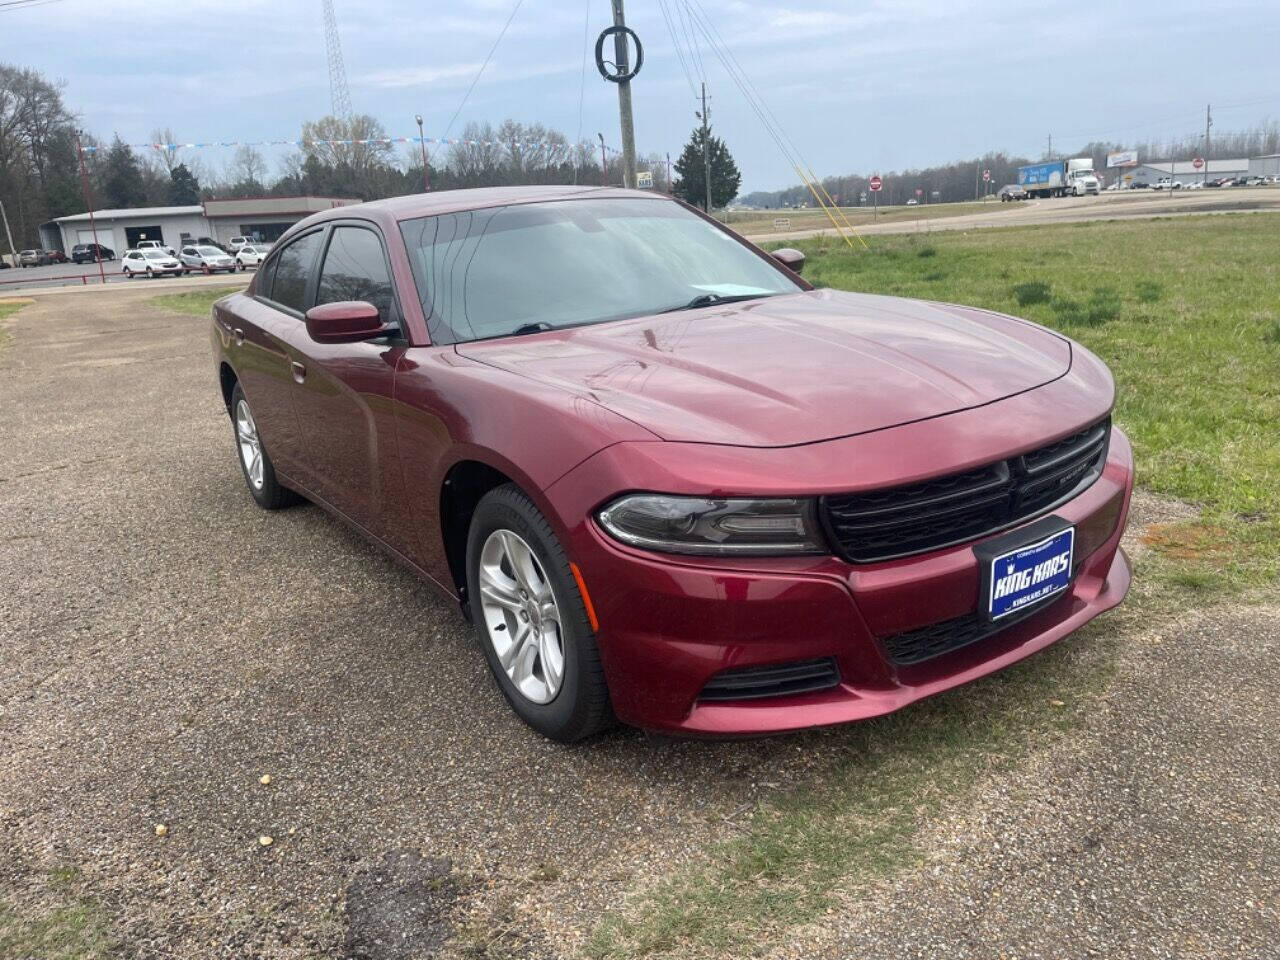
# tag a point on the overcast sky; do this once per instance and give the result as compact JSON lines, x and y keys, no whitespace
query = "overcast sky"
{"x":859,"y":86}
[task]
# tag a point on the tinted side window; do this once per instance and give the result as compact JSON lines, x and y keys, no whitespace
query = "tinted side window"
{"x":293,"y":269}
{"x":355,"y":269}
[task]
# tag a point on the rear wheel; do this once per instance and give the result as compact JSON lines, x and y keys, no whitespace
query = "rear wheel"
{"x":259,"y":474}
{"x":531,"y":619}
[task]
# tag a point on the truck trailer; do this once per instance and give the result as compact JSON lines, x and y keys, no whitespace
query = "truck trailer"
{"x":1057,"y":178}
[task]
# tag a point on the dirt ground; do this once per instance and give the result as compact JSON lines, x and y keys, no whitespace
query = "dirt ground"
{"x":167,"y":646}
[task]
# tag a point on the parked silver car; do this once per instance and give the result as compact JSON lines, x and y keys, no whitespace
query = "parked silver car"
{"x":206,"y":259}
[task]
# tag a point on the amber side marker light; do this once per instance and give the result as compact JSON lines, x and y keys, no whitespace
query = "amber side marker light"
{"x":586,"y":597}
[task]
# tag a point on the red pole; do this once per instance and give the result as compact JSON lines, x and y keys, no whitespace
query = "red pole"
{"x":88,"y":199}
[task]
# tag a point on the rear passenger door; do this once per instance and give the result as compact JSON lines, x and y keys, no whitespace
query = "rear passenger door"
{"x":344,"y":391}
{"x":264,"y":360}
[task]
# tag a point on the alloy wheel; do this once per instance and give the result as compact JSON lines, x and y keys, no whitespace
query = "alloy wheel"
{"x":250,"y":445}
{"x":521,"y":616}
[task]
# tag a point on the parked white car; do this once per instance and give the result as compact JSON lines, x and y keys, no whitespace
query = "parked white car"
{"x":237,"y":242}
{"x":206,"y":260}
{"x":1167,"y":183}
{"x":149,"y":263}
{"x":250,"y":255}
{"x":155,"y":245}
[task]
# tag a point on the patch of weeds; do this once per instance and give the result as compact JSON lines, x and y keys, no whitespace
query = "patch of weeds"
{"x":1272,"y":334}
{"x":1028,"y":293}
{"x":1148,"y":291}
{"x":1102,"y":307}
{"x":927,"y":251}
{"x":933,"y":276}
{"x":78,"y":930}
{"x":1067,"y":311}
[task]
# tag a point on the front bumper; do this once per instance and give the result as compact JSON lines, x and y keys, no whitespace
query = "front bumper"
{"x":669,"y":625}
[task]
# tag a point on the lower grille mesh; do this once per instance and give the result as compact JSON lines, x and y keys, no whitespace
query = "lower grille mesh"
{"x":775,"y":680}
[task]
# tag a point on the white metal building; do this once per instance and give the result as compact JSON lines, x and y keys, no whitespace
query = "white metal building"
{"x":263,"y":218}
{"x":1265,"y":166}
{"x":1183,"y":170}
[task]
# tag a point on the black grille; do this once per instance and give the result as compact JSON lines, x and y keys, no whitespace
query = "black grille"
{"x":916,"y":646}
{"x":899,"y":521}
{"x":776,"y":680}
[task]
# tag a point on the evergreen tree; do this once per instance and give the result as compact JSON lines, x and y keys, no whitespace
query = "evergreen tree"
{"x":184,"y":188}
{"x":691,"y":185}
{"x":122,"y":184}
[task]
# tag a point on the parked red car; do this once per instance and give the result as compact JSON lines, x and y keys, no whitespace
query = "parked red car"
{"x":668,"y":480}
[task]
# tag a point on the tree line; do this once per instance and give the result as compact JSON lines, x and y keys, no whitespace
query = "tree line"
{"x":961,"y":180}
{"x":40,"y":175}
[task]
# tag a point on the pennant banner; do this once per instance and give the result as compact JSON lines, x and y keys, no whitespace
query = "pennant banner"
{"x":387,"y":141}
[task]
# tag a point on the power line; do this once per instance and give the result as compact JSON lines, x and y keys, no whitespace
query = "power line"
{"x":675,"y":42}
{"x":476,"y":79}
{"x":12,"y":5}
{"x":695,"y":54}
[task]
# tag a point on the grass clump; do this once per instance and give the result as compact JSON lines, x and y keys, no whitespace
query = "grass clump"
{"x":1029,"y":293}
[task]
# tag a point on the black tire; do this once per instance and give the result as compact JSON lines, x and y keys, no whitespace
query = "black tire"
{"x":581,"y":707}
{"x":271,"y":495}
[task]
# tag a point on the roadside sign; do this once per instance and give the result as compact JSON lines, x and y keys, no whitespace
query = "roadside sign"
{"x":986,"y":176}
{"x":875,"y":184}
{"x":644,"y":179}
{"x":1198,"y":162}
{"x":782,"y":223}
{"x":919,"y":192}
{"x":1123,"y":158}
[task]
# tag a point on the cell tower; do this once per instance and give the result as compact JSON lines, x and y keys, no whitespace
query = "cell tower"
{"x":338,"y":93}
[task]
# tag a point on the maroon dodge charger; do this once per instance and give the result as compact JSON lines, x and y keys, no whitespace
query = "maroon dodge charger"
{"x":668,"y":480}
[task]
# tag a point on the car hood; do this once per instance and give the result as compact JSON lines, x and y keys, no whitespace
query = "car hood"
{"x":790,"y":369}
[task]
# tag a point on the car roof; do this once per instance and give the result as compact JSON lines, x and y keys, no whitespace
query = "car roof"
{"x":453,"y":201}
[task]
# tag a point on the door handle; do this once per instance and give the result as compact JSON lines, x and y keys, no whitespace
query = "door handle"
{"x":299,"y":371}
{"x":239,"y":335}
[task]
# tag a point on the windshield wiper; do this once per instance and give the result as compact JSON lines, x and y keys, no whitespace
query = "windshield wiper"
{"x":537,"y":327}
{"x":710,"y":299}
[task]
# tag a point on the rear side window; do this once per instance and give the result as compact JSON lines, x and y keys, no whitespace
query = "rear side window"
{"x":356,"y":269}
{"x":293,"y":269}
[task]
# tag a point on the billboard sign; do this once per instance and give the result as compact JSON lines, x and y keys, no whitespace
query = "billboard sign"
{"x":1123,"y":158}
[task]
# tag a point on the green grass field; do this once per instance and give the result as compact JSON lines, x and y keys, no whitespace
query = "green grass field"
{"x":7,"y":309}
{"x":194,"y":303}
{"x":1187,"y":314}
{"x":756,"y":222}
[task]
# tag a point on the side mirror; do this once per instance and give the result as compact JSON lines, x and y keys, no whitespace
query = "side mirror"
{"x":347,"y":321}
{"x":793,"y":260}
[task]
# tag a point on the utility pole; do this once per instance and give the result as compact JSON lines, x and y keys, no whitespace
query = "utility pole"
{"x":422,"y":142}
{"x":88,"y":200}
{"x":704,"y":116}
{"x":5,"y":217}
{"x":624,"y":98}
{"x":1051,"y":146}
{"x":604,"y":163}
{"x":1208,"y":122}
{"x":671,"y":188}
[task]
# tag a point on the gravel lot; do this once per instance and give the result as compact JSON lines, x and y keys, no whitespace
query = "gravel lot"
{"x":167,"y":645}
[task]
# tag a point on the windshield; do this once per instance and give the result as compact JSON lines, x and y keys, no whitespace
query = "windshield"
{"x":209,"y":252}
{"x":492,"y":272}
{"x":155,"y":254}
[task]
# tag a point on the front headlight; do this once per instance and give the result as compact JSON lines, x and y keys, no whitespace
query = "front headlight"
{"x":714,"y":526}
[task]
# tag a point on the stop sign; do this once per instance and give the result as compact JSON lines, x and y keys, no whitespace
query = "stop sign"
{"x":986,"y":176}
{"x":1198,"y":162}
{"x":875,"y":184}
{"x":919,"y":192}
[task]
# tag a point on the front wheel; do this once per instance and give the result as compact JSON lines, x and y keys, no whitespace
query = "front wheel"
{"x":532,"y":621}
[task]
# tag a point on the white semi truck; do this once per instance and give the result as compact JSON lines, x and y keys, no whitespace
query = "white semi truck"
{"x":1058,"y":178}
